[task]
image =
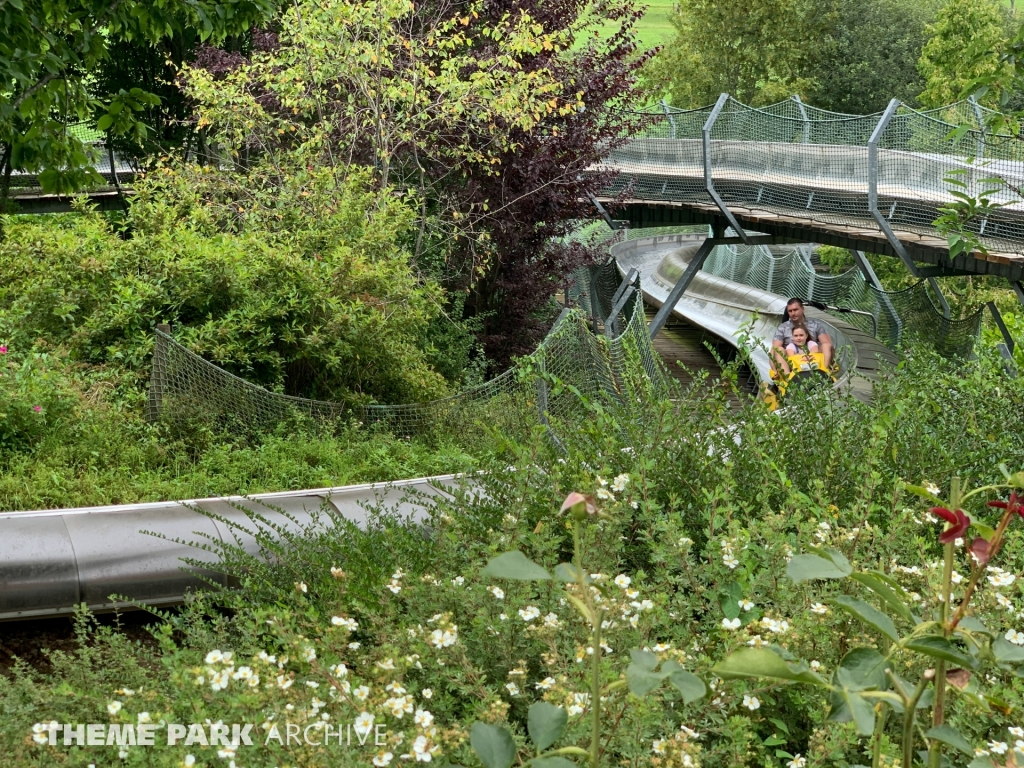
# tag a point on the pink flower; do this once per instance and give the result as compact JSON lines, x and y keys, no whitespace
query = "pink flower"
{"x":578,"y":504}
{"x":3,"y":349}
{"x":37,"y":408}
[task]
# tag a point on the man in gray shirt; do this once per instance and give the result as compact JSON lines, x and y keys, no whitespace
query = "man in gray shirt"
{"x":815,"y":330}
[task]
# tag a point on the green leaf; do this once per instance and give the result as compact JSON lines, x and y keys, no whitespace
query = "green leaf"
{"x":986,"y":532}
{"x":104,"y":123}
{"x":645,"y":660}
{"x":689,"y":685}
{"x":950,"y":736}
{"x":894,"y":597}
{"x":642,"y":681}
{"x":515,"y":565}
{"x":493,"y":745}
{"x":553,"y":762}
{"x":752,"y":663}
{"x":808,"y":567}
{"x":861,"y":710}
{"x":862,"y":669}
{"x":730,"y":600}
{"x":868,"y":614}
{"x":568,"y":573}
{"x":939,"y":647}
{"x":981,"y":762}
{"x":545,"y":724}
{"x":917,"y":490}
{"x":1007,"y":651}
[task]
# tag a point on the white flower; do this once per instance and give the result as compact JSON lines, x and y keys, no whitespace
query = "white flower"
{"x":797,"y":762}
{"x":387,"y":664}
{"x":512,"y":688}
{"x":777,"y":627}
{"x":658,"y":747}
{"x":361,"y":693}
{"x":998,"y":747}
{"x":395,"y":587}
{"x":242,"y":673}
{"x":746,"y":605}
{"x":503,"y":616}
{"x":1016,"y":731}
{"x":932,"y":488}
{"x":226,"y":753}
{"x":340,"y":621}
{"x":623,"y":580}
{"x":458,"y":581}
{"x":1015,"y":637}
{"x":756,"y":641}
{"x":423,"y":719}
{"x":284,"y":683}
{"x":301,"y":587}
{"x":144,"y":717}
{"x":354,"y":646}
{"x":421,"y":749}
{"x":1001,"y":578}
{"x":339,"y":670}
{"x":383,"y":758}
{"x":498,"y":592}
{"x":819,"y":609}
{"x":751,"y":702}
{"x":337,"y":572}
{"x":529,"y":613}
{"x":661,"y":647}
{"x":685,"y":541}
{"x":955,"y":577}
{"x":1004,"y":601}
{"x":309,"y":653}
{"x":123,"y":753}
{"x":399,"y":705}
{"x":730,"y":561}
{"x":313,"y":684}
{"x":426,"y":693}
{"x":114,"y":707}
{"x":545,"y":684}
{"x":815,"y":665}
{"x":605,"y":495}
{"x":363,"y":724}
{"x":620,"y":482}
{"x":551,"y":620}
{"x":189,"y":761}
{"x":214,"y":657}
{"x":730,"y":624}
{"x":398,"y":574}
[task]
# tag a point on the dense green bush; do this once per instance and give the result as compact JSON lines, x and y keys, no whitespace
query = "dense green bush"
{"x":701,"y":506}
{"x":33,"y":398}
{"x":309,"y":291}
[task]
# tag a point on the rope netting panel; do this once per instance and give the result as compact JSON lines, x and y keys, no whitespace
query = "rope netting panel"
{"x":897,"y":317}
{"x":187,"y":389}
{"x":811,"y":164}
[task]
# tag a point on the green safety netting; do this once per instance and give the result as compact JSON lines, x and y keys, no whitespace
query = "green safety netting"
{"x":619,"y":365}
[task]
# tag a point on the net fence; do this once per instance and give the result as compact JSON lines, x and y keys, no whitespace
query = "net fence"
{"x":792,"y":159}
{"x":910,"y":316}
{"x":618,"y":364}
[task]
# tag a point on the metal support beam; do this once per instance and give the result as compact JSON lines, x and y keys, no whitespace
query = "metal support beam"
{"x":709,"y":182}
{"x":684,"y":282}
{"x":872,"y":279}
{"x":604,"y":213}
{"x":611,"y":327}
{"x":876,"y":135}
{"x":998,"y":317}
{"x":1018,"y":288}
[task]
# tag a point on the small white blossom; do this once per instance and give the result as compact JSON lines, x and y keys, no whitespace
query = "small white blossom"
{"x":998,"y":747}
{"x":512,"y":688}
{"x":545,"y":684}
{"x":730,"y":561}
{"x":730,"y":624}
{"x":797,"y":762}
{"x":364,"y":723}
{"x":819,"y":608}
{"x":301,"y":587}
{"x":751,"y":702}
{"x":529,"y":612}
{"x":426,"y":693}
{"x":383,"y":758}
{"x":746,"y":605}
{"x":498,"y":592}
{"x":622,"y":580}
{"x":620,"y":482}
{"x":114,"y":707}
{"x":1015,"y":637}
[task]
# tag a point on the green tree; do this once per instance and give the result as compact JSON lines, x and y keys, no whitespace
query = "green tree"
{"x":760,"y":51}
{"x":872,"y":54}
{"x":49,"y":50}
{"x":950,"y":60}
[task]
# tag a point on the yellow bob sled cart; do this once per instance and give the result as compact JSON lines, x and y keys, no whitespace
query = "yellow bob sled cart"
{"x":804,"y":369}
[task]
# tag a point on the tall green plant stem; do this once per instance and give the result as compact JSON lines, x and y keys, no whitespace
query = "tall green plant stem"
{"x":596,"y":617}
{"x":910,"y":717}
{"x":876,"y":737}
{"x":938,"y":711}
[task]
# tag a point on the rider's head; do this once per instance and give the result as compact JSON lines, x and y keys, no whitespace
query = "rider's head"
{"x":795,"y":310}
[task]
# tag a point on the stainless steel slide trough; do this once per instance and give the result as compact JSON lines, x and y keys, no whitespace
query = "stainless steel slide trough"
{"x":54,"y":560}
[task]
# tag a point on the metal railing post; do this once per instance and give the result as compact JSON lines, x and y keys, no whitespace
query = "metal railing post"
{"x":1006,"y":348}
{"x":883,"y":224}
{"x":684,"y":281}
{"x":980,"y":144}
{"x":872,"y":279}
{"x":709,"y":183}
{"x":803,"y":116}
{"x":668,"y":114}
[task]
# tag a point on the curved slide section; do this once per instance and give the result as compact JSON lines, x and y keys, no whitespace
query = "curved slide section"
{"x":723,"y":306}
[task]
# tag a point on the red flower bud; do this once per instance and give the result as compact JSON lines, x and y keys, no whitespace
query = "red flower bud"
{"x":980,"y":550}
{"x":579,"y":505}
{"x":958,"y":522}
